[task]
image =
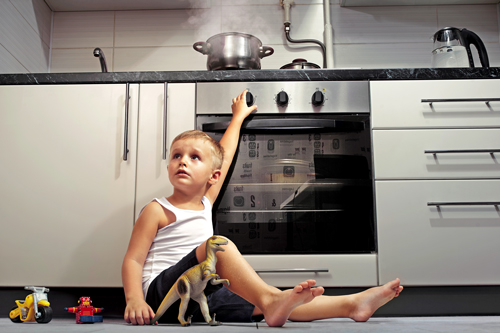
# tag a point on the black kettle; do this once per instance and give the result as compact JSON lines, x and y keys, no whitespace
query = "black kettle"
{"x":452,"y":48}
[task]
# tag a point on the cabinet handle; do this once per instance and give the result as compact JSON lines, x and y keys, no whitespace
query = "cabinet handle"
{"x":478,"y":203}
{"x":460,"y":151}
{"x":125,"y":136}
{"x":485,"y":100}
{"x":164,"y":149}
{"x":293,"y":270}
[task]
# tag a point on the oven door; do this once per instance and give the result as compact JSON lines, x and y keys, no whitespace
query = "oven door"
{"x":297,"y":185}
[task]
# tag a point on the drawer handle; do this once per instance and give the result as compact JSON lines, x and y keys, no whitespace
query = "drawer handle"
{"x":125,"y":135}
{"x":164,"y":141}
{"x":293,"y":270}
{"x":485,"y":100}
{"x":460,"y":151}
{"x":478,"y":203}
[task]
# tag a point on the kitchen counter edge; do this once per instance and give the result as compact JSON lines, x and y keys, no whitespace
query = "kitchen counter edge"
{"x":252,"y":76}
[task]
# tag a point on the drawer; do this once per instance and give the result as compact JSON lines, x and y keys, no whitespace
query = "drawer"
{"x":356,"y":270}
{"x":455,"y":243}
{"x":398,"y":104}
{"x":436,"y":154}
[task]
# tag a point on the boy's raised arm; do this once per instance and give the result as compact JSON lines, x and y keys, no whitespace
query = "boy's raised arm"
{"x":229,"y":140}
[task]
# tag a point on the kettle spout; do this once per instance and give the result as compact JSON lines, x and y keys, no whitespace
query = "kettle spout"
{"x":98,"y":53}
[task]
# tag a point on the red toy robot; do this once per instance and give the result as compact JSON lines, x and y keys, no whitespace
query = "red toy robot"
{"x":85,"y":312}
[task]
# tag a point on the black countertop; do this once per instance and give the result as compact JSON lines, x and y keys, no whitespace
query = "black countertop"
{"x":254,"y":75}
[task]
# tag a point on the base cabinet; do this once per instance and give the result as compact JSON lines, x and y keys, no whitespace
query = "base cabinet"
{"x":67,"y":193}
{"x":436,"y":146}
{"x":69,"y":199}
{"x":428,"y":244}
{"x":349,"y":270}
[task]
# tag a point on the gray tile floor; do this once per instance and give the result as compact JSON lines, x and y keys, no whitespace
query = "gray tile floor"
{"x":374,"y":325}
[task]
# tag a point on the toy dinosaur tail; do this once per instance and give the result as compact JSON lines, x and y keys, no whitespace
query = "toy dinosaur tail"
{"x":171,"y":297}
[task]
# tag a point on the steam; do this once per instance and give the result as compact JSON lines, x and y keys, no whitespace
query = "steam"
{"x":208,"y":20}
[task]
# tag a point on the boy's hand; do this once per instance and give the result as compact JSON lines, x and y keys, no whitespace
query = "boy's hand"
{"x":240,"y":108}
{"x":138,"y":313}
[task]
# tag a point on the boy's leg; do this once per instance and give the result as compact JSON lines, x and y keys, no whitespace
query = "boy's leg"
{"x":246,"y":283}
{"x":359,"y":307}
{"x":276,"y":305}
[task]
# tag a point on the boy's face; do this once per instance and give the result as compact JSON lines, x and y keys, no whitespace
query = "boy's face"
{"x":190,"y":164}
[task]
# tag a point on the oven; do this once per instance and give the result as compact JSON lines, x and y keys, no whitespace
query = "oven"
{"x":298,"y":199}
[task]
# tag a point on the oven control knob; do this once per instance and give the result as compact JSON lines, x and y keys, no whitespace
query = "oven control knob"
{"x":282,"y":98}
{"x":250,"y":99}
{"x":318,"y":98}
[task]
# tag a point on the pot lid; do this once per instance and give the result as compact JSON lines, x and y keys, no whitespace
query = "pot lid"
{"x":300,"y":63}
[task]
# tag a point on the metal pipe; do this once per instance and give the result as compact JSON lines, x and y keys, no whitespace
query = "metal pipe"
{"x":328,"y":35}
{"x":286,"y":5}
{"x":98,"y":53}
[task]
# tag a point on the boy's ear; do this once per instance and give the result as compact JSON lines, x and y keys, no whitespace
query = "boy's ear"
{"x":215,"y":177}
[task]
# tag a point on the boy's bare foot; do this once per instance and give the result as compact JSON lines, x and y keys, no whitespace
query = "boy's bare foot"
{"x":280,"y":307}
{"x":368,"y":301}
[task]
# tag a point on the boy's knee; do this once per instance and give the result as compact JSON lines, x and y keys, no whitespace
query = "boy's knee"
{"x":229,"y":247}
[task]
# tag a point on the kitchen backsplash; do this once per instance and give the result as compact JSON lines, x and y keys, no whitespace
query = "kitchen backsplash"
{"x":161,"y":40}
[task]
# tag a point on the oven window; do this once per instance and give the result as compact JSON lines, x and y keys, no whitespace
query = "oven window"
{"x":299,"y":193}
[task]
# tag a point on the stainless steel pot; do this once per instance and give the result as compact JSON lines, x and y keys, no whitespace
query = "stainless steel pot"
{"x":300,"y":64}
{"x":233,"y":50}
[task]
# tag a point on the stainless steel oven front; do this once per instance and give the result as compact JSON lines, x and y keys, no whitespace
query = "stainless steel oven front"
{"x":298,"y":201}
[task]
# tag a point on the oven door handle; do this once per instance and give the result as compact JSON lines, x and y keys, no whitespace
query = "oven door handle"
{"x":287,"y":124}
{"x":293,"y":270}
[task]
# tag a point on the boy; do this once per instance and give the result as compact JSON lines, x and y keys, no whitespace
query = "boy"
{"x":170,"y":234}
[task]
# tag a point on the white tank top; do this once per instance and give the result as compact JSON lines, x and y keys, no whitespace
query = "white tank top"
{"x":176,"y":240}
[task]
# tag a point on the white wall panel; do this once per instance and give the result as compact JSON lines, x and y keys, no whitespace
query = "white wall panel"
{"x":83,"y":29}
{"x":382,"y":55}
{"x":383,"y":24}
{"x":165,"y":27}
{"x":38,"y":15}
{"x":181,"y":58}
{"x":482,"y":19}
{"x":79,"y":60}
{"x":9,"y":64}
{"x":19,"y":38}
{"x":364,"y":37}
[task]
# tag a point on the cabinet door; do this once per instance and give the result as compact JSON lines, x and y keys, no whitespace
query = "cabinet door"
{"x":152,"y":176}
{"x":439,"y":232}
{"x":436,"y":154}
{"x":67,"y":194}
{"x":462,"y":103}
{"x":339,"y":270}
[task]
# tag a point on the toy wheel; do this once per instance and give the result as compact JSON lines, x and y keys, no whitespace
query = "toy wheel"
{"x":45,"y":315}
{"x":15,"y":319}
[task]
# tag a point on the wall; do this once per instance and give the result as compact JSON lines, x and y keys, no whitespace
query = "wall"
{"x":161,"y":40}
{"x":364,"y":37}
{"x":25,"y":31}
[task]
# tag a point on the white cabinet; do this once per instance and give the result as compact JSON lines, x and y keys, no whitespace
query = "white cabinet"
{"x":68,"y":198}
{"x":435,"y":104}
{"x":341,"y":270}
{"x":67,"y":194}
{"x":425,"y":244}
{"x":436,"y":154}
{"x":436,"y":146}
{"x":154,"y":137}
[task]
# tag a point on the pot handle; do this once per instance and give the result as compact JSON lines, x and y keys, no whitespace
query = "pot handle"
{"x":201,"y":47}
{"x":265,"y":51}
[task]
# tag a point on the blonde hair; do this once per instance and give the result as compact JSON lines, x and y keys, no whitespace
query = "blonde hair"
{"x":217,"y":150}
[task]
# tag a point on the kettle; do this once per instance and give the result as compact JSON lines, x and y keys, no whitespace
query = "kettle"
{"x":452,"y":48}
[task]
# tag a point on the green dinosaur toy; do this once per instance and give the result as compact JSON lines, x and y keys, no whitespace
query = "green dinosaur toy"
{"x":192,"y":283}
